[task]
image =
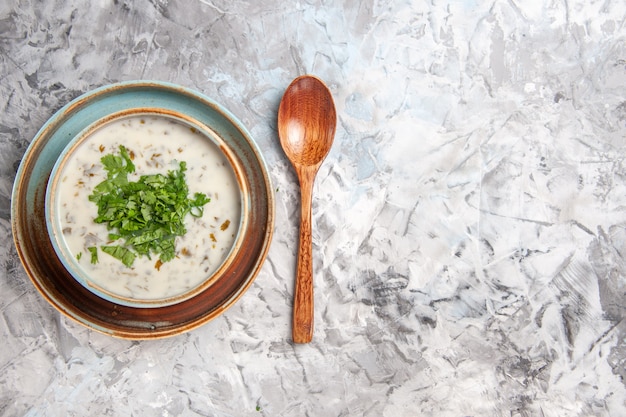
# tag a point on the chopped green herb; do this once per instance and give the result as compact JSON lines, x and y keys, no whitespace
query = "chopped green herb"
{"x":94,"y":254}
{"x":79,"y":255}
{"x":119,"y":252}
{"x":147,"y":214}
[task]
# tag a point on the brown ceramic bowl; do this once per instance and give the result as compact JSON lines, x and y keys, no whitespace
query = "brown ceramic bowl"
{"x":55,"y":278}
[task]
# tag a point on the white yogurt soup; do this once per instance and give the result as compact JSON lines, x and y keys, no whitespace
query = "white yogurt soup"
{"x":157,"y":144}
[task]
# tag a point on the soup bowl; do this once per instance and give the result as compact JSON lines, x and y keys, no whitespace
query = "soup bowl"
{"x":158,"y":143}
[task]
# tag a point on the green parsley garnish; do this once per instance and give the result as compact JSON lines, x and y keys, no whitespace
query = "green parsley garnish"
{"x":94,"y":254}
{"x":148,"y":214}
{"x":121,"y":253}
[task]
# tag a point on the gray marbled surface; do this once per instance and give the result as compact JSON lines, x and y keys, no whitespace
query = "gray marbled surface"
{"x":470,"y":220}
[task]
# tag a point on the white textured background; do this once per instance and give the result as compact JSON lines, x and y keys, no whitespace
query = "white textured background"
{"x":470,"y":219}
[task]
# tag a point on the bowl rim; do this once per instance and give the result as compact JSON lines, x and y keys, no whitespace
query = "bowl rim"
{"x":47,"y":273}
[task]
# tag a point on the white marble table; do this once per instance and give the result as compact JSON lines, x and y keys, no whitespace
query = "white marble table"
{"x":470,"y":220}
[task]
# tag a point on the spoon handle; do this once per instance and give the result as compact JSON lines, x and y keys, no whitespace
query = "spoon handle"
{"x":302,"y":329}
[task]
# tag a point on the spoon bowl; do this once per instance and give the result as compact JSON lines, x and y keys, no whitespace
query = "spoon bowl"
{"x":307,"y":120}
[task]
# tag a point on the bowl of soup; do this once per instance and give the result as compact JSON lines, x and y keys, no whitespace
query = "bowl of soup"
{"x":142,"y":209}
{"x":114,"y":202}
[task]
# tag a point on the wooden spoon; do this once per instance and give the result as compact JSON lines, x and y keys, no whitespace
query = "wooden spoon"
{"x":306,"y":127}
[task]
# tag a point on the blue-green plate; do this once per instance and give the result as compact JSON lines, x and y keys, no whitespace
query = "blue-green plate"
{"x":49,"y":273}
